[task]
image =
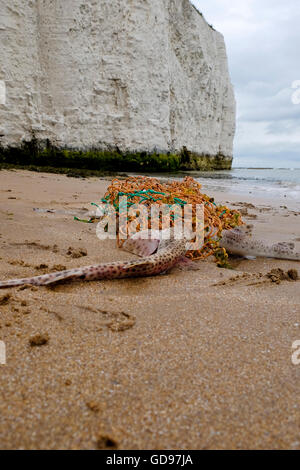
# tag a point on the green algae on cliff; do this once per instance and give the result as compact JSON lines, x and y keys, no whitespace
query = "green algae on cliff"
{"x":34,"y":154}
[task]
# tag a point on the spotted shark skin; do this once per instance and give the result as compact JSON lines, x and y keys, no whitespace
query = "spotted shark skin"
{"x":169,"y":254}
{"x":237,"y":242}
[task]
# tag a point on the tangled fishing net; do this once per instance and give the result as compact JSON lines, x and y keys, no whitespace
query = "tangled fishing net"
{"x":149,"y":191}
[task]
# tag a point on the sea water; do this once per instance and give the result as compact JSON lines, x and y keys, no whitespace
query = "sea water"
{"x":277,"y":184}
{"x":283,"y":184}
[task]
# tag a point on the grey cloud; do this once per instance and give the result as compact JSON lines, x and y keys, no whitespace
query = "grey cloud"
{"x":283,"y":127}
{"x":263,"y":45}
{"x":258,"y":107}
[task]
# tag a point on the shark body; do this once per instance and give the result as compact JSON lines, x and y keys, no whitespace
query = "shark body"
{"x":238,"y":242}
{"x":168,"y":254}
{"x":158,"y":256}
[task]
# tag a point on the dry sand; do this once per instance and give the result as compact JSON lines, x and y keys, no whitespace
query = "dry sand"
{"x":168,"y":362}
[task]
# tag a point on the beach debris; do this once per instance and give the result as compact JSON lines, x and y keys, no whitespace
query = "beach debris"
{"x":148,"y":191}
{"x":39,"y":340}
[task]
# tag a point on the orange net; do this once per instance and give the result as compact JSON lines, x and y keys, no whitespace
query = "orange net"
{"x":149,"y":191}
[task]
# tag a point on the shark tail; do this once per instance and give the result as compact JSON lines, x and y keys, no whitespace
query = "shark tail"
{"x":43,"y":280}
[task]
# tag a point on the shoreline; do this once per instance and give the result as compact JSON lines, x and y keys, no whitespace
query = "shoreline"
{"x":188,"y":360}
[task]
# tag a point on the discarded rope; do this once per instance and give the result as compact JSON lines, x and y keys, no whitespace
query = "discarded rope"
{"x":149,"y":191}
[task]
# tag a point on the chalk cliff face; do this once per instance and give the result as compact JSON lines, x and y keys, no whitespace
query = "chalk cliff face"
{"x":140,"y":75}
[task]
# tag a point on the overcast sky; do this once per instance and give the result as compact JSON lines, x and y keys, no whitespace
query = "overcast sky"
{"x":263,"y":47}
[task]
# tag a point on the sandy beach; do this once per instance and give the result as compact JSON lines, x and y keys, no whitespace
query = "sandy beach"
{"x":187,"y":360}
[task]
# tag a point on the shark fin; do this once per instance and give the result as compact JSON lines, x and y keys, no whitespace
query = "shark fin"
{"x":140,"y":245}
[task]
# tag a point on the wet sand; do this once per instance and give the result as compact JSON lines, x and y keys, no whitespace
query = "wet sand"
{"x":187,"y":360}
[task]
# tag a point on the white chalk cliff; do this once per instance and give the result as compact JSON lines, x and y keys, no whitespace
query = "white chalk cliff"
{"x":139,"y":75}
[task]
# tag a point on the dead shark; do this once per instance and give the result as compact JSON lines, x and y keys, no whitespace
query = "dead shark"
{"x":238,"y":242}
{"x":158,"y":256}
